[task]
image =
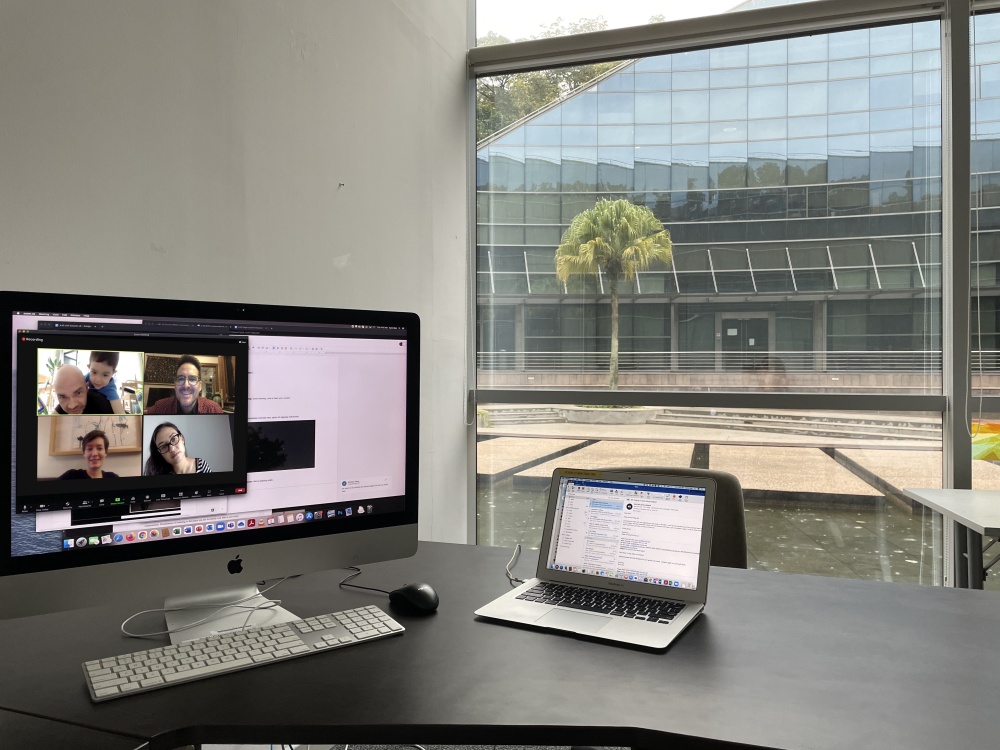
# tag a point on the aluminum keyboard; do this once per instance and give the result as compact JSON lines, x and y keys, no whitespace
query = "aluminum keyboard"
{"x":197,"y":659}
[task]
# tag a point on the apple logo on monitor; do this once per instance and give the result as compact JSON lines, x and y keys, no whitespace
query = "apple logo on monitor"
{"x":235,"y":566}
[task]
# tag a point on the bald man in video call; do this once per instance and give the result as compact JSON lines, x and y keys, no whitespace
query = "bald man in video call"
{"x":74,"y":396}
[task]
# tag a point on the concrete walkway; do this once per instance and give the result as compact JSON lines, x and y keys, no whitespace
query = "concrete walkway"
{"x":502,"y":457}
{"x":806,"y":511}
{"x":608,"y":454}
{"x":770,"y":468}
{"x":708,"y":433}
{"x":785,"y":470}
{"x":901,"y":468}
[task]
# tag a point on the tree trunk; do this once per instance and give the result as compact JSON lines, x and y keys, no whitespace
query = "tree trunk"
{"x":613,"y":384}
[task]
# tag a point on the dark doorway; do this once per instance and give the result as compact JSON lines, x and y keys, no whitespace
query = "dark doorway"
{"x":744,"y":343}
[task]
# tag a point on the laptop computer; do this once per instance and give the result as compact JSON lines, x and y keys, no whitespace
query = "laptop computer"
{"x":624,"y":557}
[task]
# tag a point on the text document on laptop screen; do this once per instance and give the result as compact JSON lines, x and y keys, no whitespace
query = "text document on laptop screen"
{"x":649,"y":533}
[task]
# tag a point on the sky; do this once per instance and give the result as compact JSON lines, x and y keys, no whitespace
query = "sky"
{"x":522,"y":19}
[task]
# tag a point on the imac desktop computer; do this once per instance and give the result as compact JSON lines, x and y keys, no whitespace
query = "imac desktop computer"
{"x":192,"y":449}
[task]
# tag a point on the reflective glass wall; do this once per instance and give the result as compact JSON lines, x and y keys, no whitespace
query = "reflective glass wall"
{"x":800,"y":182}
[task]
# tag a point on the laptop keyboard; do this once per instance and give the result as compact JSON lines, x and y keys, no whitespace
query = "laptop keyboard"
{"x":613,"y":603}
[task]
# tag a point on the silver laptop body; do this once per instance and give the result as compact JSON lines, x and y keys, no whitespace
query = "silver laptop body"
{"x":613,"y":531}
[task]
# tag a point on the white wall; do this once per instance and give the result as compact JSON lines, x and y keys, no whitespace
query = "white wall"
{"x":279,"y":151}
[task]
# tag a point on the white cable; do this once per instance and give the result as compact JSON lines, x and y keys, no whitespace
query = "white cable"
{"x":267,"y":604}
{"x":510,"y":576}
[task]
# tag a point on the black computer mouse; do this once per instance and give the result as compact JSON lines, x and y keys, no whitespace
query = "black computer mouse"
{"x":415,"y":597}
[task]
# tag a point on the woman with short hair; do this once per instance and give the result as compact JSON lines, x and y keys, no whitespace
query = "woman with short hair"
{"x":95,"y":450}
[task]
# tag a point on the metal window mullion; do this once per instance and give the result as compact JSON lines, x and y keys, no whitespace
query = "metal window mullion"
{"x":472,"y":303}
{"x":916,"y":258}
{"x":791,"y":270}
{"x":955,"y":238}
{"x":711,"y":268}
{"x":871,"y":254}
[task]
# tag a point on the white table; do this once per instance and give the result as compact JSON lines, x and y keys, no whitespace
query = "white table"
{"x":976,"y":513}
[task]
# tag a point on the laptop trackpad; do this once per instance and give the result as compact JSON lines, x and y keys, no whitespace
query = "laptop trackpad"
{"x":578,"y":622}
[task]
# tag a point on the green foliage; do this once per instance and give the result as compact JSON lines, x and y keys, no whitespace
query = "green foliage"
{"x":614,"y":239}
{"x":503,"y":100}
{"x":53,"y":362}
{"x":618,"y":237}
{"x":51,"y":365}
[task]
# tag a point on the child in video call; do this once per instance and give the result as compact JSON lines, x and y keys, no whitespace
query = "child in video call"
{"x":100,"y":376}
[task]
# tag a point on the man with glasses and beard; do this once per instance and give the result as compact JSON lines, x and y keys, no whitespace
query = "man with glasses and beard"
{"x":187,"y":398}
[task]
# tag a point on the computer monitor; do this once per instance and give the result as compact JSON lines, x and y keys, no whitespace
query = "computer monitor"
{"x":180,"y":447}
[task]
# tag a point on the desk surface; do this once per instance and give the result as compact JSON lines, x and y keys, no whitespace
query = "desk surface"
{"x":784,"y":661}
{"x":978,"y":510}
{"x":18,"y":730}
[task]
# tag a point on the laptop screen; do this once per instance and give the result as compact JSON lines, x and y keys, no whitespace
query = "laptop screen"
{"x":647,"y":533}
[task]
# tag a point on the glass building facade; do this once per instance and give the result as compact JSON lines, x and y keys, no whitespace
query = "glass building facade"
{"x":800,"y":180}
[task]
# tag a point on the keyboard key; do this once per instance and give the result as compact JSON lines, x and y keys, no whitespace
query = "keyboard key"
{"x":171,"y":665}
{"x":611,"y":603}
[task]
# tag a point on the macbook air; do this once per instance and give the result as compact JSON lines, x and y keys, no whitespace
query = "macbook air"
{"x":624,"y":557}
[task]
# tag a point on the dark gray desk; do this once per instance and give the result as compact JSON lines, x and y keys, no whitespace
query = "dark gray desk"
{"x":781,"y":661}
{"x":20,"y":731}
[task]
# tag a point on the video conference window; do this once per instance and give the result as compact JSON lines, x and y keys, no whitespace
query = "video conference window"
{"x":157,"y":425}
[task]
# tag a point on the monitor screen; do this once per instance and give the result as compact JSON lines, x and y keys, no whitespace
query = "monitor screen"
{"x":161,"y":440}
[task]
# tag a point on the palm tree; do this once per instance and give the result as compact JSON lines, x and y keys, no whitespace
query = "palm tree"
{"x":616,"y":239}
{"x":51,"y":365}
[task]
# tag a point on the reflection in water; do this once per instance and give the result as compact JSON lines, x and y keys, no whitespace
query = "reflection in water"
{"x":876,"y":542}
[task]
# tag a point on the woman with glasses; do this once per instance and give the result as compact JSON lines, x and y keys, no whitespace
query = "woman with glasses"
{"x":168,"y":453}
{"x":187,"y":398}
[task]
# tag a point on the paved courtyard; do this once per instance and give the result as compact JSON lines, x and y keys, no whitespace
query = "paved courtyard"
{"x":820,"y":506}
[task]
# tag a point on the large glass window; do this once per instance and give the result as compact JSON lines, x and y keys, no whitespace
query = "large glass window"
{"x":800,"y":181}
{"x":804,"y":211}
{"x":831,"y":504}
{"x":984,"y":430}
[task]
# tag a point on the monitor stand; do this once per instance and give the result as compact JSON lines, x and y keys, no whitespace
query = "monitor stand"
{"x":183,"y":610}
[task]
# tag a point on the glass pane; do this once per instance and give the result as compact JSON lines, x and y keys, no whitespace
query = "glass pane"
{"x":985,"y":315}
{"x":827,"y":191}
{"x":823,"y":493}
